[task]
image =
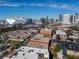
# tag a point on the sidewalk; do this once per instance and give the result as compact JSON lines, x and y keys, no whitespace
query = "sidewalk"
{"x":69,"y":52}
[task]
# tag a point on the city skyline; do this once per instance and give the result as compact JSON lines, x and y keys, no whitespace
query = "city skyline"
{"x":37,"y":8}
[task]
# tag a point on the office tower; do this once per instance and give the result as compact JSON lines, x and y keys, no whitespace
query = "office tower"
{"x":68,"y":19}
{"x":60,"y":17}
{"x":76,"y":17}
{"x":45,"y":21}
{"x":29,"y":21}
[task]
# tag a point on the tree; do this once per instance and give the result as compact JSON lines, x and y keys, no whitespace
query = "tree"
{"x":69,"y":32}
{"x":5,"y":53}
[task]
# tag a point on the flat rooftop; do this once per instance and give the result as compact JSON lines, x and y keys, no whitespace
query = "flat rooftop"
{"x":30,"y":53}
{"x":39,"y":41}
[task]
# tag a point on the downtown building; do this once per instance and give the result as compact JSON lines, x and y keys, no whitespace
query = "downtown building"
{"x":19,"y":20}
{"x":16,"y":20}
{"x":70,"y":18}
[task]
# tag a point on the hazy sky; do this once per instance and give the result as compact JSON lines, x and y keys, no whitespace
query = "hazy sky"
{"x":37,"y":8}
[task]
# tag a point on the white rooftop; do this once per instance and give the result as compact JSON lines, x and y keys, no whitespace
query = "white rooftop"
{"x":16,"y":20}
{"x":30,"y":53}
{"x":60,"y":32}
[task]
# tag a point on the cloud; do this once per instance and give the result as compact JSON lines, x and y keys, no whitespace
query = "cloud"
{"x":10,"y":5}
{"x":69,"y":7}
{"x":3,"y":3}
{"x":59,"y":5}
{"x":53,"y":5}
{"x":36,"y":4}
{"x":64,"y":6}
{"x":13,"y":4}
{"x":50,"y":5}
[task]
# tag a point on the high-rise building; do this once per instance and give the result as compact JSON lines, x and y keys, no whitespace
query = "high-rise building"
{"x":76,"y":15}
{"x":60,"y":17}
{"x":45,"y":21}
{"x":68,"y":19}
{"x":76,"y":19}
{"x":29,"y":21}
{"x":47,"y":17}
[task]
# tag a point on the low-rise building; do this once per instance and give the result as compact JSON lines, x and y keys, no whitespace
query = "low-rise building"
{"x":46,"y":32}
{"x":39,"y":41}
{"x":31,"y":53}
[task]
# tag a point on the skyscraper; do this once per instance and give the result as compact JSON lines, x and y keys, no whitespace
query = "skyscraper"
{"x":76,"y":17}
{"x":45,"y":21}
{"x":68,"y":19}
{"x":60,"y":17}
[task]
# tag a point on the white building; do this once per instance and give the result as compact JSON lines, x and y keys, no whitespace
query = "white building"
{"x":68,"y":19}
{"x":16,"y":20}
{"x":38,"y":22}
{"x":30,"y":53}
{"x":77,"y":21}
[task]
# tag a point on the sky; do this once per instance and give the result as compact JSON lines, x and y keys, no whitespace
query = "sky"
{"x":37,"y":8}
